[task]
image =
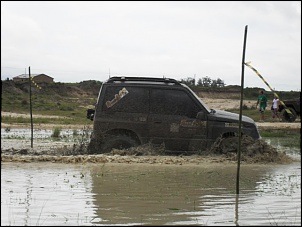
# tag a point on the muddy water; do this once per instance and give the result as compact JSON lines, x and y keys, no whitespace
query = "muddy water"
{"x":149,"y":194}
{"x":46,"y":193}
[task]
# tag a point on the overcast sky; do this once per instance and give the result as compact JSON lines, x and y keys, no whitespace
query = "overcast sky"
{"x":83,"y":40}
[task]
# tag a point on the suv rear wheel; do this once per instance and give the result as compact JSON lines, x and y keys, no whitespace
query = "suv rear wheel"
{"x":118,"y":142}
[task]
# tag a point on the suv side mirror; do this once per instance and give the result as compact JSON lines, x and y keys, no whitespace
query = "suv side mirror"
{"x":201,"y":116}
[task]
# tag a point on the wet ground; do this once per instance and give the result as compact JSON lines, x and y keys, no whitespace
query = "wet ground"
{"x":47,"y":185}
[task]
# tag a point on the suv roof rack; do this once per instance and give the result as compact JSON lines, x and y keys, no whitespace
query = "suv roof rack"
{"x":144,"y":79}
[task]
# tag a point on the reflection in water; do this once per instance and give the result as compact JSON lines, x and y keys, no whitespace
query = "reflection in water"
{"x":191,"y":195}
{"x":145,"y":194}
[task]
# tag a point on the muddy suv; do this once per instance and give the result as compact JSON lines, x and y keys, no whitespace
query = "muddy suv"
{"x":131,"y":111}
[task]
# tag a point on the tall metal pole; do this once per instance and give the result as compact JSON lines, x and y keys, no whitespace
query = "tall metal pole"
{"x":30,"y":108}
{"x":240,"y":114}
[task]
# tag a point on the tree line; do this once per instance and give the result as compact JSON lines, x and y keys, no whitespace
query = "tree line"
{"x":203,"y":82}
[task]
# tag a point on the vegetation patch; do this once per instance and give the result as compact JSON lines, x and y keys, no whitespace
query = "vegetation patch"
{"x":289,"y":137}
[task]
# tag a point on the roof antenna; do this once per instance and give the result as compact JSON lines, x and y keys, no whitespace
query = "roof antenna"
{"x":109,"y":73}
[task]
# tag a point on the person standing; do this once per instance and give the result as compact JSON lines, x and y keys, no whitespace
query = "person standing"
{"x":262,"y":101}
{"x":275,"y":107}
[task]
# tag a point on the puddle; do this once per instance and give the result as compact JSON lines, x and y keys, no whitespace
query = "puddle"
{"x":143,"y":190}
{"x":140,"y":194}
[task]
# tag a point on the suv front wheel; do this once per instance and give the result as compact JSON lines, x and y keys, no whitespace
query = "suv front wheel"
{"x":118,"y":142}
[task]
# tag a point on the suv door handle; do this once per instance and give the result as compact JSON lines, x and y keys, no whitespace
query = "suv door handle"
{"x":157,"y":122}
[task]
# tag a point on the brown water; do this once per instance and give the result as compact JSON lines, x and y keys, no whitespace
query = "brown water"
{"x":47,"y":193}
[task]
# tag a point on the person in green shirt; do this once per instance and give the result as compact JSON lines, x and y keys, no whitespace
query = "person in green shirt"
{"x":262,"y":101}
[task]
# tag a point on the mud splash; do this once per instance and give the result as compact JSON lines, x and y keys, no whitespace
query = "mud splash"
{"x":223,"y":150}
{"x":252,"y":151}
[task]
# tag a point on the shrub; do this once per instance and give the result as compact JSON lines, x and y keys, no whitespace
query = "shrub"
{"x":56,"y":132}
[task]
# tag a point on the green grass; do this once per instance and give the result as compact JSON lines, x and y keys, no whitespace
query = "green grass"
{"x":292,"y":142}
{"x":280,"y":132}
{"x":288,"y":138}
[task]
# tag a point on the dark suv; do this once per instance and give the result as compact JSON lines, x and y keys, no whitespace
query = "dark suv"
{"x":136,"y":110}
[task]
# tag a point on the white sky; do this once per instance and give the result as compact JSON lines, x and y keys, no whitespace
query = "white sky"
{"x":74,"y":41}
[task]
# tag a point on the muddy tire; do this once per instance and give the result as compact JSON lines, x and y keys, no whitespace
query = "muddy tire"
{"x":288,"y":117}
{"x":229,"y":144}
{"x":118,"y":142}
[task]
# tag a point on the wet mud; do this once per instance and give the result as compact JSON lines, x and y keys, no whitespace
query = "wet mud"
{"x":223,"y":150}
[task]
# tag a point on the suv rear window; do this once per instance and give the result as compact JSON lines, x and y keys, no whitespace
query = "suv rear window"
{"x":126,"y":99}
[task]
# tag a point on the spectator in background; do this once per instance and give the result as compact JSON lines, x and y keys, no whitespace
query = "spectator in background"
{"x":262,"y":101}
{"x":275,"y":107}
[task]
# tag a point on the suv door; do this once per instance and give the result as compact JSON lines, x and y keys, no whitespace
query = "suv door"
{"x":124,"y":109}
{"x":172,"y":120}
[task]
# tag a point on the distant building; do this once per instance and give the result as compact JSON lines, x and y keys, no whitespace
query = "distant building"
{"x":36,"y":77}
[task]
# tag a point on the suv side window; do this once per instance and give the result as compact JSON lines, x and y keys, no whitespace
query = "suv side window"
{"x":127,"y":99}
{"x":172,"y":102}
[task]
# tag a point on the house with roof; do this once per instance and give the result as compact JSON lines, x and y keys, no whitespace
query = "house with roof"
{"x":36,"y":77}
